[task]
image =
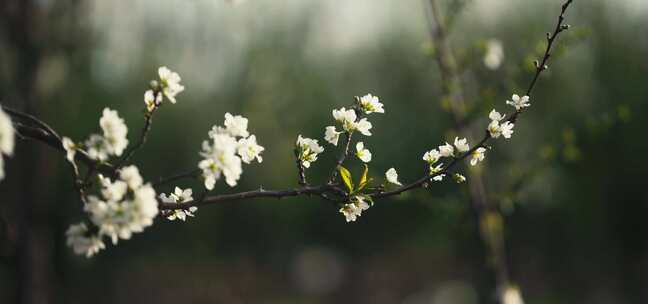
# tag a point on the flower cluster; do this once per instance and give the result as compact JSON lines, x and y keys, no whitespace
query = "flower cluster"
{"x":179,"y":196}
{"x":7,"y":141}
{"x":497,"y":128}
{"x":307,"y":150}
{"x":348,"y":118}
{"x":433,"y":156}
{"x":112,"y":141}
{"x":354,"y":208}
{"x":169,"y":86}
{"x":227,"y":148}
{"x":125,"y":206}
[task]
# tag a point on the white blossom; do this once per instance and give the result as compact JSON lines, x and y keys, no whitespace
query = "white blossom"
{"x":494,"y":54}
{"x":446,"y":150}
{"x":353,"y":209}
{"x":496,"y":129}
{"x":331,"y":135}
{"x":512,"y":295}
{"x":307,"y":150}
{"x":507,"y":129}
{"x":363,"y":126}
{"x":179,"y":196}
{"x":362,"y":153}
{"x":494,"y":115}
{"x":220,"y":158}
{"x":131,"y":176}
{"x":392,"y":176}
{"x":127,"y":206}
{"x":432,"y":156}
{"x":371,"y":104}
{"x":7,"y":140}
{"x":82,"y":241}
{"x":170,"y":82}
{"x":459,"y":178}
{"x":151,"y":100}
{"x":346,"y":117}
{"x":477,"y":156}
{"x":7,"y":134}
{"x":70,"y":148}
{"x":248,"y":149}
{"x":114,"y":132}
{"x":461,"y":144}
{"x":236,"y":125}
{"x":519,"y":102}
{"x":435,"y":170}
{"x":95,"y":146}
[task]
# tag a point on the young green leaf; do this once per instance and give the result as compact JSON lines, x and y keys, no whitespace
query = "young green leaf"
{"x":363,"y":179}
{"x":346,"y":177}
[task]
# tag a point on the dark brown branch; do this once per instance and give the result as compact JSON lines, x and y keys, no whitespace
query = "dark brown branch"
{"x":148,"y":121}
{"x":342,"y":157}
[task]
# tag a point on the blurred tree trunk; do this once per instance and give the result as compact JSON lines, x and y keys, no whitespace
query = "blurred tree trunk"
{"x":34,"y":250}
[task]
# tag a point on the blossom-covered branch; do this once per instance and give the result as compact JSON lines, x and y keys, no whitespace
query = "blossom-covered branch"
{"x":119,"y":203}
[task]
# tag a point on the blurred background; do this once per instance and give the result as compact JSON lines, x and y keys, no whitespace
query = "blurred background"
{"x":570,"y":185}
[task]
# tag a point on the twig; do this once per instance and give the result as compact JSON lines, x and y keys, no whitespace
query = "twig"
{"x":342,"y":157}
{"x":165,"y":180}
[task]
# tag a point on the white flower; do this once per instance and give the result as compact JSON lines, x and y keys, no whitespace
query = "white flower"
{"x":494,"y":115}
{"x":7,"y":134}
{"x":220,"y":158}
{"x":95,"y":147}
{"x":127,"y":206}
{"x":494,"y":129}
{"x":461,"y":144}
{"x":350,"y":212}
{"x":114,"y":192}
{"x":353,"y":210}
{"x":131,"y":176}
{"x":507,"y":129}
{"x":151,"y":100}
{"x":170,"y":83}
{"x":114,"y":132}
{"x":363,"y":126}
{"x":331,"y":135}
{"x":494,"y":54}
{"x":7,"y":140}
{"x":346,"y":117}
{"x":511,"y":295}
{"x":446,"y":150}
{"x":249,"y":150}
{"x":179,"y":196}
{"x":477,"y":156}
{"x":371,"y":104}
{"x":362,"y":153}
{"x":236,"y":125}
{"x":82,"y":241}
{"x":70,"y":148}
{"x":432,"y":156}
{"x":392,"y":176}
{"x":519,"y":102}
{"x":459,"y":178}
{"x":435,"y":170}
{"x":307,"y":150}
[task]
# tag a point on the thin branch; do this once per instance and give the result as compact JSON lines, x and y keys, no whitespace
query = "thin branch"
{"x":342,"y":157}
{"x":148,"y":121}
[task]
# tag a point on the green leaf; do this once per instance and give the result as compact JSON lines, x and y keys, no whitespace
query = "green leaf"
{"x":346,"y":177}
{"x":363,"y":179}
